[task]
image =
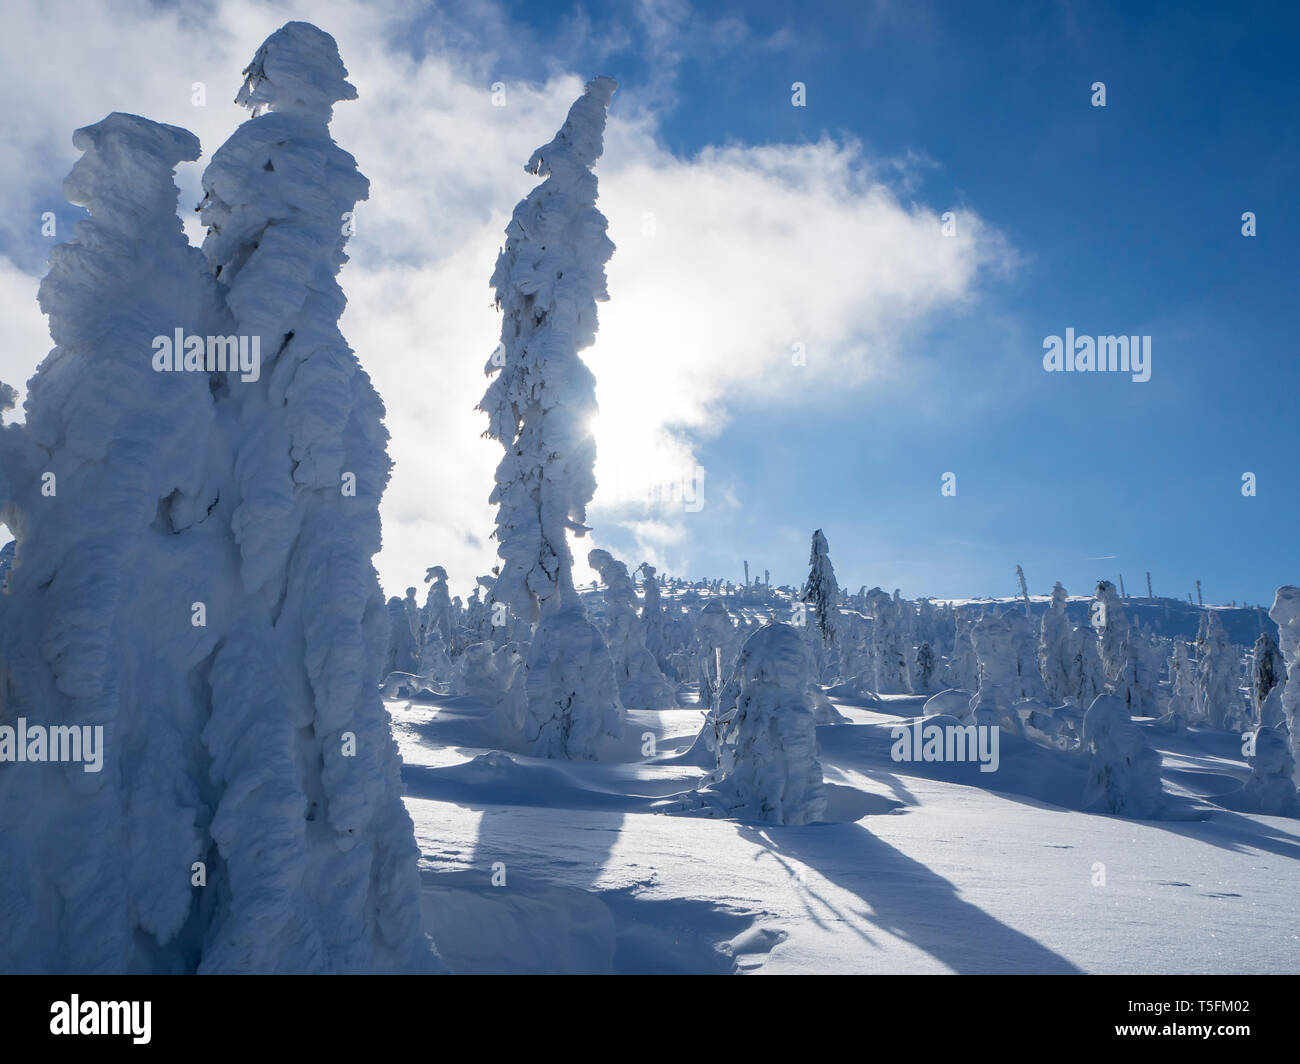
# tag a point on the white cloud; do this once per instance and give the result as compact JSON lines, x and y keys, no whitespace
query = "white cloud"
{"x":725,"y":260}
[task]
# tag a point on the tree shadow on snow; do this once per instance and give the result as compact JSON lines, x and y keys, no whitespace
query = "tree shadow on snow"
{"x":908,"y":900}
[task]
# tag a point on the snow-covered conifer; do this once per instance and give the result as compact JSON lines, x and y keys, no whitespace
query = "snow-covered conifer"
{"x":1056,"y":649}
{"x":820,"y":590}
{"x":715,"y":646}
{"x":548,"y":279}
{"x":1268,"y":670}
{"x":1218,"y":675}
{"x":999,"y":685}
{"x":302,"y":499}
{"x":1285,"y":613}
{"x":765,"y":734}
{"x":1124,"y":775}
{"x":1272,"y":784}
{"x":403,"y":653}
{"x":641,"y":685}
{"x":925,"y":668}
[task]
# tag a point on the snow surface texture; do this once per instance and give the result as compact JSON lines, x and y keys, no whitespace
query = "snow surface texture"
{"x":906,"y":872}
{"x":765,"y":735}
{"x":243,"y":726}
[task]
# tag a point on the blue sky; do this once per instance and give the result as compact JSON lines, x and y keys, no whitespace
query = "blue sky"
{"x":1124,"y":219}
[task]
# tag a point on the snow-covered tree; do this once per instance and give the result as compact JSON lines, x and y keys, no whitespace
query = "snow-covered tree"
{"x":1056,"y":649}
{"x":715,"y":645}
{"x":820,"y":590}
{"x":1268,"y":670}
{"x":765,"y":735}
{"x":1272,"y":785}
{"x":1024,"y":642}
{"x":889,"y":643}
{"x":658,"y":639}
{"x":1285,"y":613}
{"x":1088,"y":674}
{"x":1182,"y":689}
{"x":209,"y":597}
{"x":438,"y":636}
{"x":403,"y":653}
{"x":641,"y":685}
{"x":1218,"y":674}
{"x":96,"y":625}
{"x":925,"y":668}
{"x":962,"y":671}
{"x":1124,"y":775}
{"x":540,"y":404}
{"x":999,"y":685}
{"x":309,"y":469}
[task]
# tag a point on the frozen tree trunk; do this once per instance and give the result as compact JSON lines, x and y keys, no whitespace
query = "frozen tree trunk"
{"x":540,"y":403}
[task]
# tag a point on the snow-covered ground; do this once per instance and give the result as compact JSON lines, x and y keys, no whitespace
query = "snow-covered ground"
{"x":921,"y":867}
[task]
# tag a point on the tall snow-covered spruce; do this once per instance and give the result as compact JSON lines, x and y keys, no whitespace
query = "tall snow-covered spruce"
{"x":106,"y":491}
{"x":540,"y":405}
{"x":318,"y":856}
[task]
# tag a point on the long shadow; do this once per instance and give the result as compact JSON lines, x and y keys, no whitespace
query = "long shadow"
{"x":910,"y":901}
